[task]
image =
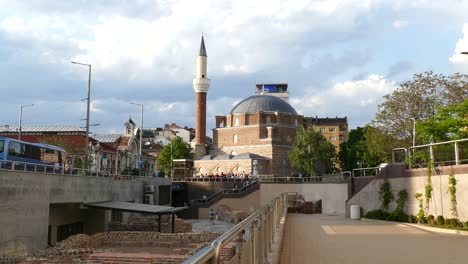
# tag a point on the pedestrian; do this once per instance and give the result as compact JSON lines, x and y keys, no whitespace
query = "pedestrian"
{"x":212,"y":214}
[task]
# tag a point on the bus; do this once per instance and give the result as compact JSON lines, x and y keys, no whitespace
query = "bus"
{"x":21,"y":155}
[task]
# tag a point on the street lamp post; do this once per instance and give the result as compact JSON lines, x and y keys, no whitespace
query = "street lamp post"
{"x":21,"y":119}
{"x":140,"y":157}
{"x":88,"y":103}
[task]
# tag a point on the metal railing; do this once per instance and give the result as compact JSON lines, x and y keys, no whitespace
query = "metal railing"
{"x":253,"y":237}
{"x":212,"y":179}
{"x":9,"y":165}
{"x":220,"y":194}
{"x":305,"y":179}
{"x":366,"y":172}
{"x":438,"y":153}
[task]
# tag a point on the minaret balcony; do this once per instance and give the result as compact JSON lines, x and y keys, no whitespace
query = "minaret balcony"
{"x":201,"y":85}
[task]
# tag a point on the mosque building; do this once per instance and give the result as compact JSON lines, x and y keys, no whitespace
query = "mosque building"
{"x":255,"y":137}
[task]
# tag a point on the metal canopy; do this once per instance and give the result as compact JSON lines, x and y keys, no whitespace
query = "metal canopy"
{"x":136,"y":207}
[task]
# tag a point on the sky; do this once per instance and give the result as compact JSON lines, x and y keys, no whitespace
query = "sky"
{"x":339,"y":57}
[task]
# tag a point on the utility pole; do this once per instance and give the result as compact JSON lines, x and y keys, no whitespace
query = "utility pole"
{"x":21,"y":119}
{"x":88,"y":103}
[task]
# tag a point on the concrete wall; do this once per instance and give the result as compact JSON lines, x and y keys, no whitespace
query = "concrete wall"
{"x":333,"y":196}
{"x":25,"y":199}
{"x":414,"y":181}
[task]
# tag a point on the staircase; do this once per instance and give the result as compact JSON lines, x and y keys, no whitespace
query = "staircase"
{"x":228,"y":193}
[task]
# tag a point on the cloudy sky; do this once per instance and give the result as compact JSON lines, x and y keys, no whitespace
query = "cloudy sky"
{"x":338,"y":57}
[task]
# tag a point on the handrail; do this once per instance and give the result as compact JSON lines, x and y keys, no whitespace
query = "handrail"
{"x":431,"y":150}
{"x":395,"y":149}
{"x":263,"y":224}
{"x":439,"y":143}
{"x":376,"y":169}
{"x":225,"y":191}
{"x":9,"y":165}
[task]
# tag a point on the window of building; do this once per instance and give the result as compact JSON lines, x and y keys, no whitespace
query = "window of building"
{"x":322,"y":129}
{"x":237,"y":121}
{"x":235,"y":138}
{"x":221,"y":124}
{"x":295,"y":122}
{"x":268,"y":119}
{"x":331,"y":129}
{"x":343,"y":129}
{"x":342,"y":138}
{"x":332,"y":138}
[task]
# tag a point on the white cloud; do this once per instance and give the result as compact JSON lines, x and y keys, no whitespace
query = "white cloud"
{"x":242,"y":36}
{"x":459,"y":62}
{"x":356,"y":99}
{"x":147,"y":50}
{"x":399,"y":24}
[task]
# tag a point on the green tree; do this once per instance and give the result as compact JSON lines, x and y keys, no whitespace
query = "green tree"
{"x":418,"y":98}
{"x":180,"y":150}
{"x":354,"y":152}
{"x":312,"y":153}
{"x":450,"y":122}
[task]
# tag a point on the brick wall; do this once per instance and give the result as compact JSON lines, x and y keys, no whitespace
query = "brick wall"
{"x":150,"y":223}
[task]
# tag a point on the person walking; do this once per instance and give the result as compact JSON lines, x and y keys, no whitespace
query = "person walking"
{"x":212,"y":214}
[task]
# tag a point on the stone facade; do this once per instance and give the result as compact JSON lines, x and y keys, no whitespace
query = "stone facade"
{"x":150,"y":223}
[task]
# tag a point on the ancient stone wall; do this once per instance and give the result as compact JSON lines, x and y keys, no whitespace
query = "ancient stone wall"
{"x":150,"y":223}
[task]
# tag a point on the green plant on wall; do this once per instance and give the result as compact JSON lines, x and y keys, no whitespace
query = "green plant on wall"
{"x":400,"y":202}
{"x":453,"y":194}
{"x":420,"y":205}
{"x":385,"y":195}
{"x":428,"y":186}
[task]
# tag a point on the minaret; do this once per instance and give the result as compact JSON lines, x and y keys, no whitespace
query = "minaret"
{"x":201,"y":84}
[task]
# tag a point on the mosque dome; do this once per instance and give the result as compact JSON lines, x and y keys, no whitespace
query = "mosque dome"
{"x":263,"y":103}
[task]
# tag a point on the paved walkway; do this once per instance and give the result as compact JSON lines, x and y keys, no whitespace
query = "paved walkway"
{"x":325,"y":239}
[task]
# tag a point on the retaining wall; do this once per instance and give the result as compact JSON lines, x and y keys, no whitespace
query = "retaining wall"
{"x":414,"y":181}
{"x":25,"y":199}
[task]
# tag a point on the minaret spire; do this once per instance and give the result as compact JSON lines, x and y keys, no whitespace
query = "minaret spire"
{"x":202,"y":47}
{"x":201,"y":84}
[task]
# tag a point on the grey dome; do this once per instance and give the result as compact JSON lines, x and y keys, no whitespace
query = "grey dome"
{"x":263,"y":103}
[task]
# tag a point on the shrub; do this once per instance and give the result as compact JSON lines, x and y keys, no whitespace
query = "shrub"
{"x":440,"y":220}
{"x":431,"y":219}
{"x":452,"y":222}
{"x":398,"y":217}
{"x":465,"y":225}
{"x":377,"y":214}
{"x":412,"y":219}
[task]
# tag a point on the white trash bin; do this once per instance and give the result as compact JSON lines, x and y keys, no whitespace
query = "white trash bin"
{"x":355,"y":212}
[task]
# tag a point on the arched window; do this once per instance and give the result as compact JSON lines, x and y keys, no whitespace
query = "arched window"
{"x":235,"y":138}
{"x":237,"y":121}
{"x":221,"y":124}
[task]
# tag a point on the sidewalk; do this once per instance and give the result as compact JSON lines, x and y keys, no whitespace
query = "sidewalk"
{"x":325,"y":239}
